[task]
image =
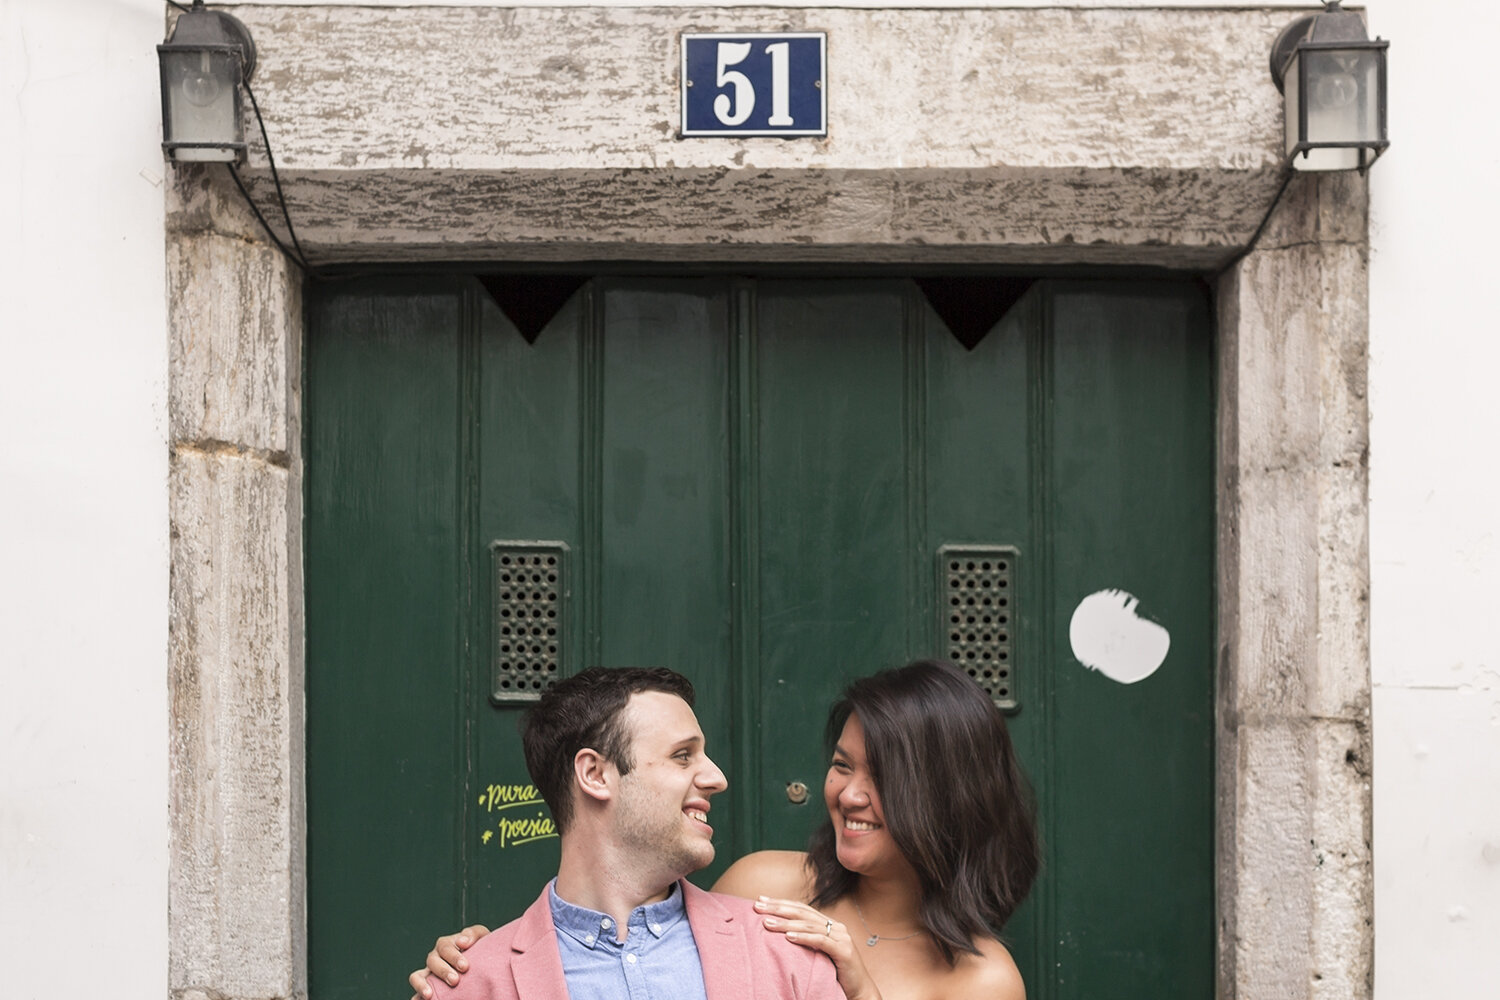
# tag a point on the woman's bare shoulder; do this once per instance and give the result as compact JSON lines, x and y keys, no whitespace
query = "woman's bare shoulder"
{"x":990,"y":975}
{"x":780,"y":874}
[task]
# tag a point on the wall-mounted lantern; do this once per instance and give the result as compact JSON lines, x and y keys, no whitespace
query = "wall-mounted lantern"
{"x":203,"y":62}
{"x":1333,"y":78}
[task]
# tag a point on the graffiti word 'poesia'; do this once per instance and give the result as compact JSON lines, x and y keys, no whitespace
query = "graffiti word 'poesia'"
{"x":513,"y":830}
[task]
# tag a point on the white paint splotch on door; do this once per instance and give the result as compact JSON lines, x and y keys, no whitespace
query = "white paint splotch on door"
{"x":1108,"y":636}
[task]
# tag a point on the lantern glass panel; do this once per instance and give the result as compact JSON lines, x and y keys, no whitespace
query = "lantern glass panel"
{"x":1340,"y":89}
{"x":202,"y":89}
{"x":1343,"y":90}
{"x":1293,"y":102}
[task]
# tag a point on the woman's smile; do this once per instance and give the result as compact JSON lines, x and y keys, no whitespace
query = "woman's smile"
{"x":864,"y":845}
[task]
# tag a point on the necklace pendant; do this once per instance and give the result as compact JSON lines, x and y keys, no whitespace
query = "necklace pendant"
{"x":872,"y":940}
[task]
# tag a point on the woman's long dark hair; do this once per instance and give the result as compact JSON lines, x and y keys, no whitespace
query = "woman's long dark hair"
{"x":953,"y":796}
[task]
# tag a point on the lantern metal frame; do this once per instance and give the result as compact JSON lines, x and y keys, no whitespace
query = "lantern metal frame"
{"x":1331,"y":30}
{"x":201,"y":30}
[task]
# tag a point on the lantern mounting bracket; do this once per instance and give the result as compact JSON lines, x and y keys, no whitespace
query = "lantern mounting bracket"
{"x":1332,"y":24}
{"x":1285,"y":45}
{"x":203,"y":28}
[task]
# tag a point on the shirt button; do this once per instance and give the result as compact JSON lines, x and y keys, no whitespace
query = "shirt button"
{"x":589,"y":939}
{"x":656,"y":928}
{"x":604,"y":923}
{"x":630,"y":959}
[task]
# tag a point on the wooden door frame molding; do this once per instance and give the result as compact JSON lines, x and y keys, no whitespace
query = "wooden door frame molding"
{"x":1148,"y":174}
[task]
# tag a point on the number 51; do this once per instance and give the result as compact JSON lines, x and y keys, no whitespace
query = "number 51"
{"x":734,"y":110}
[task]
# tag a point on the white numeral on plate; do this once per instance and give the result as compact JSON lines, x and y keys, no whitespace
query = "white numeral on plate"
{"x":780,"y":84}
{"x":734,"y":110}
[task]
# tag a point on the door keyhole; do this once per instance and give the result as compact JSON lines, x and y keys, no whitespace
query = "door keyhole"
{"x":796,"y":792}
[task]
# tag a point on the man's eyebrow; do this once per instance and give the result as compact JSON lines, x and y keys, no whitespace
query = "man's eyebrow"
{"x":688,"y":741}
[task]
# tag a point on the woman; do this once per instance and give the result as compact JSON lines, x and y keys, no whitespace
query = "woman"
{"x":929,"y":847}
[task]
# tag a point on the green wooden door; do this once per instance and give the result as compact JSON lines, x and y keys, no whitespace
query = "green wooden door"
{"x":772,"y":486}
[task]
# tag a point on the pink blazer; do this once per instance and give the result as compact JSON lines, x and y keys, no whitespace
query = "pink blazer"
{"x":741,"y":959}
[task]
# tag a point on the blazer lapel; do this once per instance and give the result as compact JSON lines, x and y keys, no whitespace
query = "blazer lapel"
{"x":537,"y":964}
{"x":722,"y":945}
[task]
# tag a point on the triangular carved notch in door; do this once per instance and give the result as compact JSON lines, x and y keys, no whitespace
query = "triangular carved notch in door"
{"x":531,"y":300}
{"x":970,"y":307}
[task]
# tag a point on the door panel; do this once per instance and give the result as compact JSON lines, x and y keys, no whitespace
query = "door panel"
{"x":664,"y":583}
{"x":383,"y":602}
{"x":664,"y":577}
{"x":524,"y":429}
{"x":1136,"y":760}
{"x":752,"y":480}
{"x":832,"y":549}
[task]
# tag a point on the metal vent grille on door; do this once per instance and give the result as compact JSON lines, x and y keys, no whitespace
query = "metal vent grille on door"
{"x":977,"y":615}
{"x":530,"y":597}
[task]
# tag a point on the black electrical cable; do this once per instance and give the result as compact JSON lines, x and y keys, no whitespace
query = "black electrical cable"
{"x":294,"y":258}
{"x":1285,"y":180}
{"x":299,"y":258}
{"x":276,"y":179}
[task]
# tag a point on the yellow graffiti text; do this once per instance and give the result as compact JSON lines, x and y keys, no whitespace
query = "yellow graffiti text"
{"x":497,"y":797}
{"x":515,"y":832}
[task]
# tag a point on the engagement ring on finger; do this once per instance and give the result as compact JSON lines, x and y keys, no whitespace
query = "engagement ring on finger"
{"x":828,"y":929}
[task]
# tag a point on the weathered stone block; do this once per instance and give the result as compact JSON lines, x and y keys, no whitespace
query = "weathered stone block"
{"x":1293,"y":448}
{"x":1294,"y":588}
{"x":1322,"y":208}
{"x":1303,"y":356}
{"x":201,"y":198}
{"x":999,"y":215}
{"x":1342,"y":869}
{"x":1343,"y":269}
{"x":1276,"y":595}
{"x":1343,"y":597}
{"x":1162,"y":149}
{"x":234,"y":894}
{"x":234,"y":308}
{"x":1273,"y":863}
{"x":1303,"y":813}
{"x":530,"y":88}
{"x":1278,"y":409}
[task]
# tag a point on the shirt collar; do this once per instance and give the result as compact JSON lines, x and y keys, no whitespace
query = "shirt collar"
{"x":591,"y":928}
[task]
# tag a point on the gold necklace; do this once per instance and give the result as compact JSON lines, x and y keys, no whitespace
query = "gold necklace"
{"x":874,"y":938}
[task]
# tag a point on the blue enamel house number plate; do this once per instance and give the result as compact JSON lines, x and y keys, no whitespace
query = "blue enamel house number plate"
{"x":761,"y":84}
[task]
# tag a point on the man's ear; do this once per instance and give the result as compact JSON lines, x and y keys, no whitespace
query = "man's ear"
{"x":593,"y":775}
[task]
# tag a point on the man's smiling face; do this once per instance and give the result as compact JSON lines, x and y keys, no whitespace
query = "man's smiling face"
{"x":662,"y":807}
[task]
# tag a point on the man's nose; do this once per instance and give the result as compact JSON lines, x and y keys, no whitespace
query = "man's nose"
{"x":711,"y":779}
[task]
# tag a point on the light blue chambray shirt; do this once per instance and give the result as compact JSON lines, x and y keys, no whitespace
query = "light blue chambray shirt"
{"x":658,"y":960}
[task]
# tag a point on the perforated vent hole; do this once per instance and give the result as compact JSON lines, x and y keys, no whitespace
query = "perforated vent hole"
{"x":976,"y":583}
{"x":528,"y":598}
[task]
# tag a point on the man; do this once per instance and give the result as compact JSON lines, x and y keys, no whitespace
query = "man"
{"x":620,"y":760}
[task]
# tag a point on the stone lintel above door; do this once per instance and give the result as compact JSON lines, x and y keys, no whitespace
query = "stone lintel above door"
{"x":1036,"y":137}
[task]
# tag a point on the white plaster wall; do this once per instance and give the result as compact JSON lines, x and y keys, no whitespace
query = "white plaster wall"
{"x":1435,"y":424}
{"x":83,"y":512}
